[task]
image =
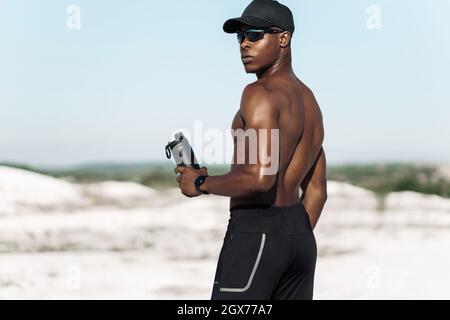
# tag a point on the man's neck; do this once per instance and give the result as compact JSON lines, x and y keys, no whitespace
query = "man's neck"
{"x":282,"y":66}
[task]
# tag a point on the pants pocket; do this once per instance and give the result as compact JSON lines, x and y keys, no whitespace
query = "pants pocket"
{"x":241,"y":261}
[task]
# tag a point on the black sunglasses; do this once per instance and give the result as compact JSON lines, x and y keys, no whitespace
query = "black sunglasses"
{"x":254,"y":35}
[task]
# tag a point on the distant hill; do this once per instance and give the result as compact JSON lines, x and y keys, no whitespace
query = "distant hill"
{"x":152,"y":174}
{"x":380,"y":178}
{"x":391,"y":177}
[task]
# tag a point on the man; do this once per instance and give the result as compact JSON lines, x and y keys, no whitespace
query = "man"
{"x":269,"y":250}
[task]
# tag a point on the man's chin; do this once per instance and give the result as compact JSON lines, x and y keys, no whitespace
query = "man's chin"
{"x":249,"y":70}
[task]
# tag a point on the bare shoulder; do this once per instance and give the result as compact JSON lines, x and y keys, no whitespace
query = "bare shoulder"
{"x":308,"y":96}
{"x":256,"y":97}
{"x":307,"y":92}
{"x":255,"y":90}
{"x":257,"y":104}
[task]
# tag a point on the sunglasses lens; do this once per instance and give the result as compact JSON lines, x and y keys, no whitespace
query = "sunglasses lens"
{"x":254,"y":35}
{"x":240,"y":37}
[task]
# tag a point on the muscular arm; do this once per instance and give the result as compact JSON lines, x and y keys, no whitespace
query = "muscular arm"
{"x":247,"y":177}
{"x":315,"y":189}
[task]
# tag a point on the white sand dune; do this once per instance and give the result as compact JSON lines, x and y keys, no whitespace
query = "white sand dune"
{"x":20,"y":189}
{"x":122,"y":194}
{"x":414,"y":201}
{"x":343,"y":196}
{"x":121,"y":240}
{"x":23,"y":192}
{"x":120,"y":190}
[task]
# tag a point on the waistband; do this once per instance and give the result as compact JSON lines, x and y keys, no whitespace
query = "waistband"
{"x":264,"y":208}
{"x":269,"y":219}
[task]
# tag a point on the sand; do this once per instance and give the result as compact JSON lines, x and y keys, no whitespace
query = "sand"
{"x":118,"y":240}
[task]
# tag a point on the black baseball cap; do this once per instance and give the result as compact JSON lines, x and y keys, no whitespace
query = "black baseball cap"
{"x":263,"y":14}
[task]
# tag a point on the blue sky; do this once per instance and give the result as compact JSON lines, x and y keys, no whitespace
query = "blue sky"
{"x":116,"y":89}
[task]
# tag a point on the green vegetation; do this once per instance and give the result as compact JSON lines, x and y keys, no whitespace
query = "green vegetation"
{"x":385,"y":178}
{"x":380,"y":178}
{"x":157,"y":175}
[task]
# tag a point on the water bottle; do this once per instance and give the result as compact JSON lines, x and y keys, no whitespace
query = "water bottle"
{"x":182,"y":152}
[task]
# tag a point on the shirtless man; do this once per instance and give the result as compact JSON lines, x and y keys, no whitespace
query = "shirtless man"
{"x":269,"y":250}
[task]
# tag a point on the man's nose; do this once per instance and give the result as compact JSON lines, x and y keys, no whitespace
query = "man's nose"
{"x":245,"y":43}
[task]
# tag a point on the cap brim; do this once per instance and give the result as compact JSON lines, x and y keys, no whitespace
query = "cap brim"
{"x":234,"y":25}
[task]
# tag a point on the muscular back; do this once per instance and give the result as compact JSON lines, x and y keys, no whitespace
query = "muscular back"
{"x":301,"y":134}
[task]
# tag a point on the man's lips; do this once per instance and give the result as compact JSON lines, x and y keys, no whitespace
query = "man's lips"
{"x":246,"y":59}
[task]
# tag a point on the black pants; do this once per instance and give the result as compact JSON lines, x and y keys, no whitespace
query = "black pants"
{"x":267,"y":254}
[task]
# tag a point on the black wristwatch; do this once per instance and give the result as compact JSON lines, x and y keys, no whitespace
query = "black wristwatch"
{"x":198,"y":182}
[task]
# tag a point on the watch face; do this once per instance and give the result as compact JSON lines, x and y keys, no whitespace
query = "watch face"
{"x":198,"y":182}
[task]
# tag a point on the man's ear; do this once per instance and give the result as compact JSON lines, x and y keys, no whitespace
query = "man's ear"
{"x":285,"y":39}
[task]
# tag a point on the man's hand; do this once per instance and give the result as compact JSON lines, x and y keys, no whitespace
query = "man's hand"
{"x":187,"y":178}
